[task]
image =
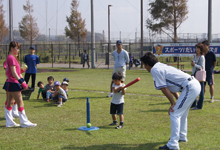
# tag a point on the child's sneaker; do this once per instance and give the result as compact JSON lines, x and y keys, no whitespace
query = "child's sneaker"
{"x":119,"y":127}
{"x":211,"y":100}
{"x":110,"y":95}
{"x":59,"y":105}
{"x":112,"y":124}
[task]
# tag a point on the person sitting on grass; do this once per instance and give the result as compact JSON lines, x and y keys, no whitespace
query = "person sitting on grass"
{"x":64,"y":87}
{"x":117,"y":101}
{"x":41,"y":90}
{"x":136,"y":62}
{"x":49,"y":88}
{"x":59,"y":94}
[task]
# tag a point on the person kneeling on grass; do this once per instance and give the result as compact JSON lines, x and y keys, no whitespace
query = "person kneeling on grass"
{"x":49,"y":88}
{"x":59,"y":94}
{"x":117,"y":101}
{"x":41,"y":90}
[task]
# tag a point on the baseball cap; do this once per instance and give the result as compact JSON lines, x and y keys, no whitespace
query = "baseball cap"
{"x":57,"y":83}
{"x":118,"y":42}
{"x":65,"y":79}
{"x":32,"y":47}
{"x":64,"y":82}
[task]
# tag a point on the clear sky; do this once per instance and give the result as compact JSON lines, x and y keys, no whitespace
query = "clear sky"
{"x":125,"y":15}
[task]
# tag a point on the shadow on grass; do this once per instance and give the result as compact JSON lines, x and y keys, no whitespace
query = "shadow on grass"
{"x":160,"y":103}
{"x":35,"y":100}
{"x":146,"y":146}
{"x":156,"y":110}
{"x":2,"y":118}
{"x":84,"y":98}
{"x":46,"y":105}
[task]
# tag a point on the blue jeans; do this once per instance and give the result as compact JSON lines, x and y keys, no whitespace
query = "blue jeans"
{"x":60,"y":96}
{"x":201,"y":98}
{"x":49,"y":95}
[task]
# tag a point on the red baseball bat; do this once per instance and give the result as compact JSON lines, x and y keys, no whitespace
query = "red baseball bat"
{"x":132,"y":82}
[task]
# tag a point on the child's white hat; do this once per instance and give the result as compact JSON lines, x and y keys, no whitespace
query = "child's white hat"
{"x":64,"y":82}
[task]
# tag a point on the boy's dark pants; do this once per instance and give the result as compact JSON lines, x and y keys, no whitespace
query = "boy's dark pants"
{"x":43,"y":94}
{"x":33,"y":78}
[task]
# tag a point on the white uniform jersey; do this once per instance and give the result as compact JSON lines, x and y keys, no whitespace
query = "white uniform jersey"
{"x":117,"y":98}
{"x":176,"y":80}
{"x":120,"y":59}
{"x":168,"y":76}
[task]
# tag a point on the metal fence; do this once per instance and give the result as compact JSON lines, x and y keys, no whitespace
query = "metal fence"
{"x":72,"y":53}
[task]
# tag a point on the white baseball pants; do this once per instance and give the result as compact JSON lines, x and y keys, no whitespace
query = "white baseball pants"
{"x":178,"y":118}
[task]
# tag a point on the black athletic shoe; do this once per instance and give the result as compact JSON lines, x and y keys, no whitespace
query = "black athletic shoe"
{"x":119,"y":127}
{"x":182,"y":141}
{"x":166,"y":148}
{"x":113,"y":124}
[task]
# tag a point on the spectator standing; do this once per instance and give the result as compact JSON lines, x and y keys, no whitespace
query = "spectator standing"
{"x":86,"y":58}
{"x":210,"y":63}
{"x":31,"y":60}
{"x":198,"y":63}
{"x":121,"y":59}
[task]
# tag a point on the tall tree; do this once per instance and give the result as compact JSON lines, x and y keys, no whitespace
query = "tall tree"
{"x":3,"y":27}
{"x":28,"y":27}
{"x":167,"y":16}
{"x":76,"y":30}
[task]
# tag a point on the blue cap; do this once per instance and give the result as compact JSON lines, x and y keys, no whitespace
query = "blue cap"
{"x":118,"y":42}
{"x":32,"y":47}
{"x":56,"y":83}
{"x":65,"y":79}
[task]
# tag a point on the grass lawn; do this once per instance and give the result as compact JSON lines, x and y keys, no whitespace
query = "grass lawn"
{"x":147,"y":123}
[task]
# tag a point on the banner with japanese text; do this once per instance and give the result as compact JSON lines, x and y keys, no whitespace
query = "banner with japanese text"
{"x":181,"y":49}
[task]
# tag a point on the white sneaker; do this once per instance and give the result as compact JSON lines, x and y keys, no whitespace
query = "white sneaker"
{"x":59,"y":105}
{"x":110,"y":95}
{"x":28,"y":125}
{"x":211,"y":100}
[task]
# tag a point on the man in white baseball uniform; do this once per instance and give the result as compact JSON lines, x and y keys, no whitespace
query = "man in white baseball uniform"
{"x":121,"y":59}
{"x":170,"y":81}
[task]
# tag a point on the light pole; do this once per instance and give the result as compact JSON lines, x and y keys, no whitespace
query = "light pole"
{"x":108,"y":32}
{"x":92,"y":36}
{"x":11,"y":37}
{"x":210,"y":21}
{"x":142,"y":31}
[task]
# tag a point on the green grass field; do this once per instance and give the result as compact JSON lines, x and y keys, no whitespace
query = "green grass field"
{"x":146,"y":127}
